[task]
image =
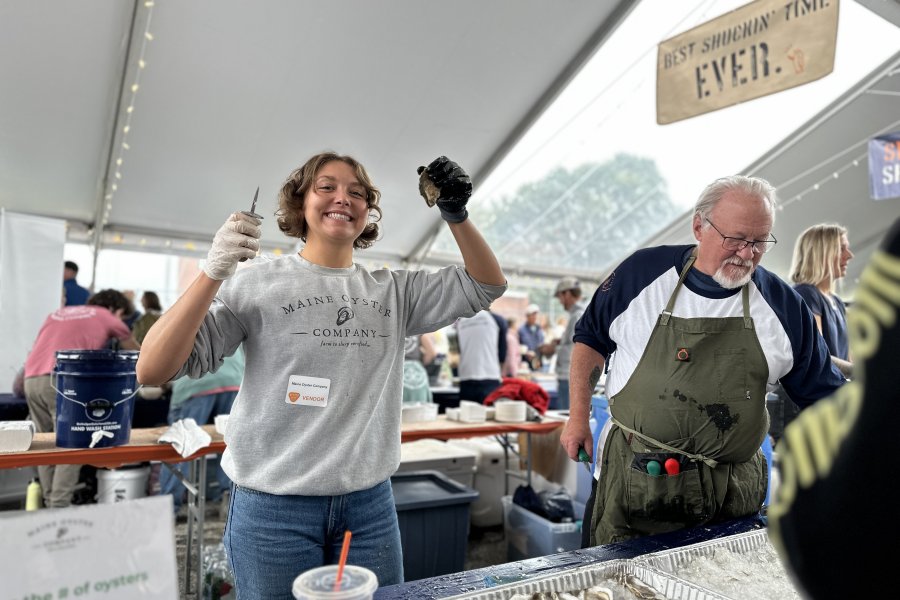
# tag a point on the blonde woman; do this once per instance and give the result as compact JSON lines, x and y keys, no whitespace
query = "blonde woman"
{"x":821,"y":255}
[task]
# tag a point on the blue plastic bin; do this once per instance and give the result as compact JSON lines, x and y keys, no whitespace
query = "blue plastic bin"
{"x":433,"y":511}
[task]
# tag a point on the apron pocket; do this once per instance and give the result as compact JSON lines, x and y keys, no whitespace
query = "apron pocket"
{"x":661,"y":503}
{"x":746,"y":491}
{"x":731,"y":374}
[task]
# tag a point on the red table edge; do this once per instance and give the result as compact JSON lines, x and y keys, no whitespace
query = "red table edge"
{"x":129,"y":454}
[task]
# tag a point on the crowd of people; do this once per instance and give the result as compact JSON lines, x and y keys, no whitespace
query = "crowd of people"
{"x":691,"y":338}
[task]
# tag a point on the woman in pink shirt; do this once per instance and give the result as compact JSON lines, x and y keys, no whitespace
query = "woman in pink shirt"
{"x":86,"y":327}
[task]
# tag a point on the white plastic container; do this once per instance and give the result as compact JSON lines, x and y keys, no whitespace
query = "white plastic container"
{"x":118,"y":485}
{"x":430,"y":411}
{"x":16,"y":436}
{"x":529,"y":535}
{"x":412,"y":413}
{"x":455,"y":462}
{"x":490,"y":479}
{"x":471,"y":412}
{"x":221,"y":422}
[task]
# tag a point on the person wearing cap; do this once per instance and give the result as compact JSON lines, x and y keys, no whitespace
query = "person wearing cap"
{"x":531,"y":335}
{"x":692,"y":337}
{"x":568,"y":292}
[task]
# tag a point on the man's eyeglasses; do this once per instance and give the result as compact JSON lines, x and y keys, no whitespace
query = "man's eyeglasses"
{"x":733,"y":244}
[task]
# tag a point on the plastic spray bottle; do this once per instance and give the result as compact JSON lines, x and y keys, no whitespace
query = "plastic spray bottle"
{"x":33,"y":495}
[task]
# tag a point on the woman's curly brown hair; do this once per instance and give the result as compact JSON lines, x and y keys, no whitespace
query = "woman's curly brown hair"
{"x":289,"y":215}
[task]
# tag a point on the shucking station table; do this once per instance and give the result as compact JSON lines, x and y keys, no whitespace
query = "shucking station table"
{"x":143,"y":447}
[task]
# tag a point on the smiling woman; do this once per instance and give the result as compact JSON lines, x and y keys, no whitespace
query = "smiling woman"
{"x":317,"y":420}
{"x":332,"y":187}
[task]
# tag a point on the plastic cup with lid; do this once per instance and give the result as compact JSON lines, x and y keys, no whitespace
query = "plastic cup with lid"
{"x":357,"y":583}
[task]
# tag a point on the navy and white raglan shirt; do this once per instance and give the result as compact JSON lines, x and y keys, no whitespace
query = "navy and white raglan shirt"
{"x":834,"y":319}
{"x":625,"y":308}
{"x":318,"y":412}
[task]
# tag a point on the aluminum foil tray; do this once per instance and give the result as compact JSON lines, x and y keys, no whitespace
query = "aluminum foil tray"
{"x":675,"y":562}
{"x":587,"y":576}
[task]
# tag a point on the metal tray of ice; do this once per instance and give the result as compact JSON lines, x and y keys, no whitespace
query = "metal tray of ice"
{"x":626,"y":579}
{"x":739,"y":566}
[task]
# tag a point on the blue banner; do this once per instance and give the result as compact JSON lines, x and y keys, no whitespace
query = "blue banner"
{"x":884,"y":166}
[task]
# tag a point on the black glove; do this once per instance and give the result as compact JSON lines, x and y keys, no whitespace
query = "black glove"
{"x":454,"y":185}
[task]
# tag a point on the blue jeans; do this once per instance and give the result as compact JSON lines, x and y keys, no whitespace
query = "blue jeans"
{"x":271,"y":539}
{"x":201,"y":409}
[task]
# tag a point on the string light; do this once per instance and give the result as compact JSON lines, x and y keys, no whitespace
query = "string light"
{"x":818,"y":185}
{"x":128,"y":112}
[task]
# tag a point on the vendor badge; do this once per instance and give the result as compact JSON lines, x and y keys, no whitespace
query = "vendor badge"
{"x":307,"y":391}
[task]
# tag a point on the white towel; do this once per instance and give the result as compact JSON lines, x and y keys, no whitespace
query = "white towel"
{"x":186,"y":437}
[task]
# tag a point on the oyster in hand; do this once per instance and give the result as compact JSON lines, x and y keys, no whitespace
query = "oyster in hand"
{"x":427,"y":188}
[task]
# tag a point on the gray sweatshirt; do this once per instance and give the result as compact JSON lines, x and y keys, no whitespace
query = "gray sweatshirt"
{"x":318,"y":412}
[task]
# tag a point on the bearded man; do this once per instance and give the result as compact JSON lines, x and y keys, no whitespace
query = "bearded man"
{"x":692,"y":338}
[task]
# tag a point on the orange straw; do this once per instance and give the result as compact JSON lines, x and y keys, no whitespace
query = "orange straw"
{"x":345,"y":549}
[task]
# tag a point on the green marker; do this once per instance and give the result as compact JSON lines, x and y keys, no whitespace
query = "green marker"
{"x":654,"y":468}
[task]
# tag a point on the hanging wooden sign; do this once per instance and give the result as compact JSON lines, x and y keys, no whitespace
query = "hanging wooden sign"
{"x":756,"y":50}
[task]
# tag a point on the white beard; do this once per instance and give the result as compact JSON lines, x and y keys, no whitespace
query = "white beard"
{"x":728,"y":282}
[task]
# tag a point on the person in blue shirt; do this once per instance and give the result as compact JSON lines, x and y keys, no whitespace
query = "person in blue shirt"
{"x":820,"y":258}
{"x":531,"y":336}
{"x":692,"y":337}
{"x":75,"y":295}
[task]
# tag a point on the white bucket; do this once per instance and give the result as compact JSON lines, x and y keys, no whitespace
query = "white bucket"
{"x":118,"y":485}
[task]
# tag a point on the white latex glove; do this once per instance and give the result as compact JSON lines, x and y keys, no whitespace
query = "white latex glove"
{"x":237,"y":239}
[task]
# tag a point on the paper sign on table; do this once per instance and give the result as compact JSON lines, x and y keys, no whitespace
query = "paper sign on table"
{"x":109,"y":551}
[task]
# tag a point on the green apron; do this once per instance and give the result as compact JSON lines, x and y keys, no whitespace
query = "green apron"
{"x":697,"y":400}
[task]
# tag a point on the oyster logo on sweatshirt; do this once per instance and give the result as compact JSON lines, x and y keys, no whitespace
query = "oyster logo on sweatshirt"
{"x":344,"y":315}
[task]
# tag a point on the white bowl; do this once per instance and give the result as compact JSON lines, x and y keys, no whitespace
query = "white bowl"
{"x":510,"y":411}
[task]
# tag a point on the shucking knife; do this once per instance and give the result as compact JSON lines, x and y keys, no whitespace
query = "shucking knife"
{"x":584,"y":459}
{"x":252,"y":211}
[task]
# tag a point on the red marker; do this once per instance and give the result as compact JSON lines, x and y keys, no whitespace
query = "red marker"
{"x":672,"y":466}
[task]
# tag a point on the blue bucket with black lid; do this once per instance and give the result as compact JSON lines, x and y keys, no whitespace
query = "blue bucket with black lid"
{"x":95,"y":392}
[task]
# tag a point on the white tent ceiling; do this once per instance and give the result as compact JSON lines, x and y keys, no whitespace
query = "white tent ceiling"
{"x":234,"y":95}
